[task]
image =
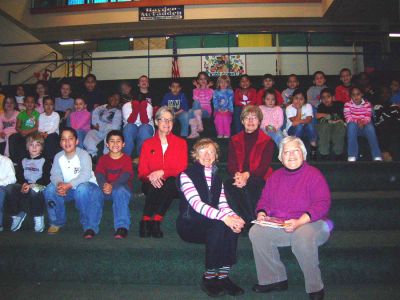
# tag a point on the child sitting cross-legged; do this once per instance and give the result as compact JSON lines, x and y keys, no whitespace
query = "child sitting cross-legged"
{"x":33,"y":174}
{"x":114,"y":175}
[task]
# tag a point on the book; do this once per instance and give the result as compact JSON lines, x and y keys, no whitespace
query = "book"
{"x":271,"y":222}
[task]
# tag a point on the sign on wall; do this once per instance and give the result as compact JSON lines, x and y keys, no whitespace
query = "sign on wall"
{"x":217,"y":65}
{"x":161,"y":13}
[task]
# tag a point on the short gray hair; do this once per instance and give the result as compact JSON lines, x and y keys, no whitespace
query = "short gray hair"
{"x":289,"y":139}
{"x":162,"y":110}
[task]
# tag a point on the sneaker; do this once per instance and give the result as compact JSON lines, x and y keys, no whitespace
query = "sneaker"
{"x":351,"y":158}
{"x":53,"y":229}
{"x":39,"y":223}
{"x":230,"y":287}
{"x":212,"y":287}
{"x":219,"y":136}
{"x":193,"y":136}
{"x":17,"y":221}
{"x":378,"y":158}
{"x":317,"y":295}
{"x":89,"y":234}
{"x":1,"y":228}
{"x":121,"y":233}
{"x":273,"y":287}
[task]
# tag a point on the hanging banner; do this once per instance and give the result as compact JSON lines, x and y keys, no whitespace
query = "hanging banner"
{"x":161,"y":13}
{"x":217,"y":65}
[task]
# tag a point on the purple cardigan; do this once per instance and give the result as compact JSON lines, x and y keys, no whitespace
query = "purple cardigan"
{"x":288,"y":195}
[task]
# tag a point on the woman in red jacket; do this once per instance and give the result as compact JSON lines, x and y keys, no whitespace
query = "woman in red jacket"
{"x":249,"y":158}
{"x":163,"y":157}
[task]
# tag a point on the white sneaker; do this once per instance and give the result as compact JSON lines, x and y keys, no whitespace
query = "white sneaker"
{"x":378,"y":158}
{"x":17,"y":221}
{"x":351,"y":158}
{"x":39,"y":223}
{"x":1,"y":229}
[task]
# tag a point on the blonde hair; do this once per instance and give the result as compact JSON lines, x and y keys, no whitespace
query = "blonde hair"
{"x":34,"y":137}
{"x":251,"y":109}
{"x":204,"y":143}
{"x":223,"y":78}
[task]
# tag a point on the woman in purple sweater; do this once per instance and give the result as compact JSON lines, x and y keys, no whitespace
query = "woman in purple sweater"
{"x":299,"y":197}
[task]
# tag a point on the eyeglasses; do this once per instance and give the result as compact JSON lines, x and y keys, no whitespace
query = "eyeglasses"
{"x":250,"y":118}
{"x":164,"y":120}
{"x":291,"y":152}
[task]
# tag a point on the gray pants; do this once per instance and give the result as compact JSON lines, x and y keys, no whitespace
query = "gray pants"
{"x":304,"y":241}
{"x":92,"y":139}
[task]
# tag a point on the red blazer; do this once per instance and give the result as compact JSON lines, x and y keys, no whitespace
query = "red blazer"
{"x":256,"y":154}
{"x":251,"y":95}
{"x":172,"y":162}
{"x":278,"y":96}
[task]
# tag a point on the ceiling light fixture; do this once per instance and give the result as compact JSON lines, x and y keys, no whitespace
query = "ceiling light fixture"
{"x":396,"y":35}
{"x":66,"y":43}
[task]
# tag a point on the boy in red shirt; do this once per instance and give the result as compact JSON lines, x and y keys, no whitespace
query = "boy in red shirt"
{"x":342,"y":92}
{"x":114,"y":175}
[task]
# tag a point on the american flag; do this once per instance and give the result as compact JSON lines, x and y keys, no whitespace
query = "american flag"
{"x":175,"y":65}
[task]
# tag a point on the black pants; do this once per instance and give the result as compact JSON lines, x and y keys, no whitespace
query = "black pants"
{"x":244,"y":200}
{"x":18,"y":201}
{"x":159,"y":200}
{"x":17,"y":147}
{"x":51,"y":146}
{"x":386,"y":132}
{"x":2,"y":147}
{"x":220,"y":240}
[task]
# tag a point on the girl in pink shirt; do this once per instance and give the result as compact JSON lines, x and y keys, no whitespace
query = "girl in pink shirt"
{"x":202,"y":96}
{"x":8,"y":121}
{"x":80,"y":119}
{"x":272,"y":117}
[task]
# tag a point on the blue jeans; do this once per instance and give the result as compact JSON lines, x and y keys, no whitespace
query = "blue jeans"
{"x":87,"y":198}
{"x":196,"y":106}
{"x":120,"y":197}
{"x":237,"y":110}
{"x":3,"y":192}
{"x":304,"y":129}
{"x":81,"y":137}
{"x":276,"y":136}
{"x":353,"y":131}
{"x":183,"y":119}
{"x":136,"y":134}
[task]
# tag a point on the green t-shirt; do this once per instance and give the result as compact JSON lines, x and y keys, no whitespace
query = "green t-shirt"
{"x":28,"y":122}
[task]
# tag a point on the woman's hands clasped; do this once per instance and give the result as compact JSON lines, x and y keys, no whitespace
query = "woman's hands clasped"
{"x":156,"y":178}
{"x":235,"y":223}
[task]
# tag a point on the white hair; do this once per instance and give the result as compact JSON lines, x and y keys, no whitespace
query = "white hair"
{"x":162,"y":110}
{"x":289,"y":139}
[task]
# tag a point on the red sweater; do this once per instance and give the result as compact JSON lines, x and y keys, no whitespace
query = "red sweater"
{"x":172,"y":162}
{"x":260,"y":156}
{"x":251,"y":97}
{"x":342,"y":93}
{"x":278,"y":96}
{"x":113,"y":169}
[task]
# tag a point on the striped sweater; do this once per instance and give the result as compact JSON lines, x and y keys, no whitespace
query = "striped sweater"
{"x":189,"y":191}
{"x":357,"y":113}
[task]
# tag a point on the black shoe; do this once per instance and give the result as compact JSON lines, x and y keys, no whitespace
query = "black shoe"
{"x":277,"y":286}
{"x":145,"y":228}
{"x":89,"y":234}
{"x":156,"y":230}
{"x":121,"y":233}
{"x":212,"y":287}
{"x":230,"y":287}
{"x":317,"y":295}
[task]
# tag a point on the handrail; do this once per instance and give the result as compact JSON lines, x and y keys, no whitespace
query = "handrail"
{"x":40,"y":60}
{"x":45,"y":68}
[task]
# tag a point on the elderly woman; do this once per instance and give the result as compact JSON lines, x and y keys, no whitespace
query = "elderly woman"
{"x":163,"y":157}
{"x":297,"y":195}
{"x":205,"y":217}
{"x":249,"y":158}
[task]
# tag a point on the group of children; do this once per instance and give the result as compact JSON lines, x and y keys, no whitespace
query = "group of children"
{"x":53,"y":142}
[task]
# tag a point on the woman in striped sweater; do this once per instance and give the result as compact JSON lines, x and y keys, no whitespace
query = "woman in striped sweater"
{"x":357,"y":113}
{"x":205,"y":217}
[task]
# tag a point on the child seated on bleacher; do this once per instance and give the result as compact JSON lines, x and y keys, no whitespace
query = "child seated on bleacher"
{"x":342,"y":91}
{"x":202,"y":97}
{"x":7,"y":177}
{"x":269,"y":83}
{"x":176,"y":100}
{"x":105,"y":118}
{"x":331,"y":126}
{"x":114,"y":175}
{"x":20,"y":96}
{"x":8,"y":122}
{"x":72,"y":178}
{"x":223,"y":107}
{"x":49,"y":122}
{"x":395,"y":89}
{"x":272,"y":120}
{"x":292,"y":84}
{"x":244,"y":95}
{"x":79,"y":119}
{"x":42,"y":90}
{"x":299,"y":122}
{"x":64,"y":104}
{"x":33,"y":174}
{"x":145,"y":93}
{"x":93,"y":95}
{"x":125,"y":92}
{"x":358,"y":113}
{"x":313,"y":93}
